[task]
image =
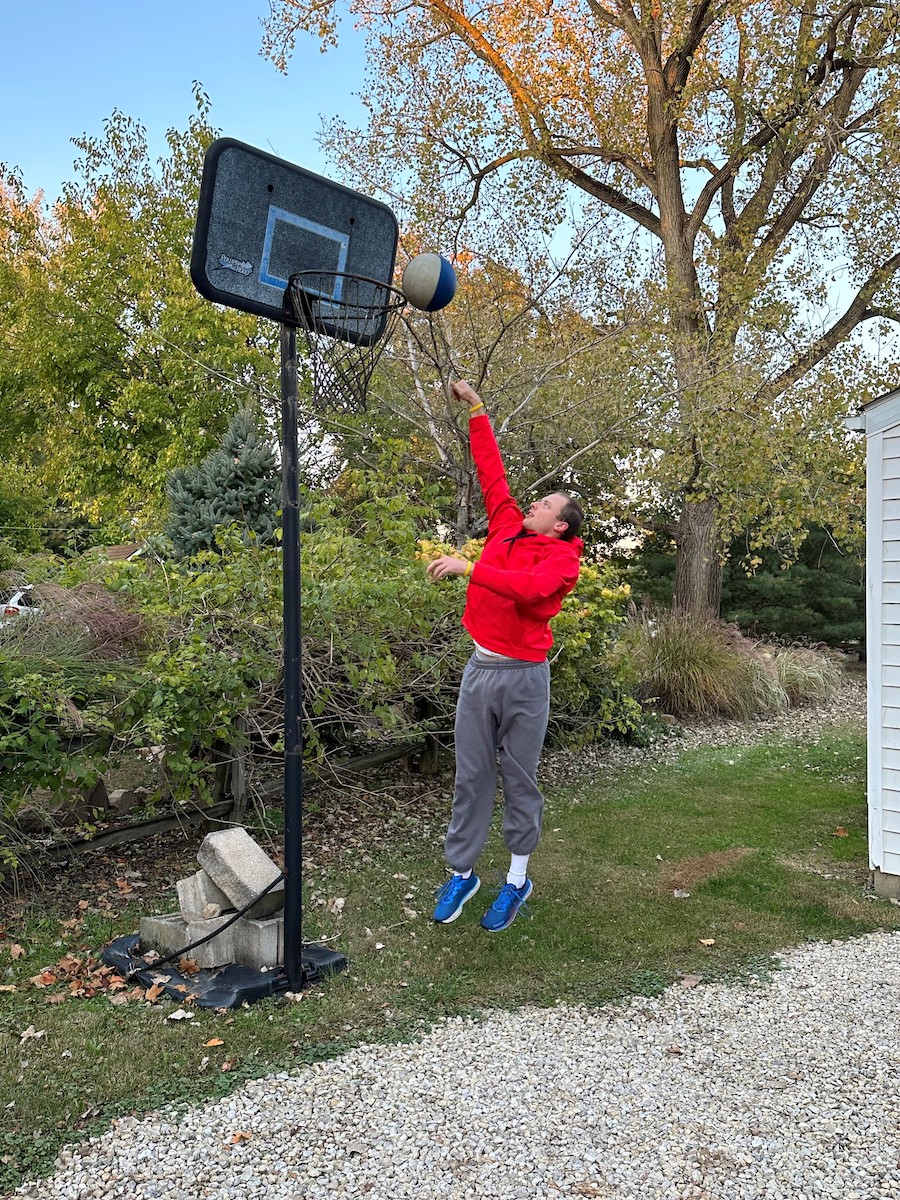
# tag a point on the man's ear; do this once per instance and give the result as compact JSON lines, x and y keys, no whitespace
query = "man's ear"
{"x":560,"y":528}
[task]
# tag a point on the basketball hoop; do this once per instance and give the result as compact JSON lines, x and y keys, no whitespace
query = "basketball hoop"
{"x":345,"y":320}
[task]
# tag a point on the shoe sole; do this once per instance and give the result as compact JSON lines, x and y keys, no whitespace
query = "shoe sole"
{"x":512,"y":918}
{"x":449,"y":920}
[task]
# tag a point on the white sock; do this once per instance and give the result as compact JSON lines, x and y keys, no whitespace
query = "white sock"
{"x":464,"y":874}
{"x":518,"y":869}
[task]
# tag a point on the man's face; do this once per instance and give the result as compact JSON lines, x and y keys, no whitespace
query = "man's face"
{"x":543,"y":515}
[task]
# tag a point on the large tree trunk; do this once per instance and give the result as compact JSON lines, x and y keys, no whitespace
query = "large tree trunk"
{"x":698,"y":569}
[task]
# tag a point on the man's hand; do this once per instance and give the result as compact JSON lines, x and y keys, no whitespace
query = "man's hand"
{"x":464,"y":391}
{"x":446,"y":565}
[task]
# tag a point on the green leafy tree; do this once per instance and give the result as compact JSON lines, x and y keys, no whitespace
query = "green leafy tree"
{"x":238,"y":484}
{"x":742,"y":160}
{"x":114,"y":370}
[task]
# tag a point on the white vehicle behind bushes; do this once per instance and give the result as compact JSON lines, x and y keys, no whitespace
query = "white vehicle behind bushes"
{"x":17,"y":602}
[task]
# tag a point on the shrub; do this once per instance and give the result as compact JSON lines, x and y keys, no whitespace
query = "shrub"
{"x":198,"y":646}
{"x":59,"y":707}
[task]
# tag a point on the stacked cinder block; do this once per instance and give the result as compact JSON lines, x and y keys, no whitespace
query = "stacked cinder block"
{"x":233,"y":870}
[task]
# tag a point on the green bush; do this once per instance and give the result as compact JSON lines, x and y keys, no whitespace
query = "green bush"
{"x":591,"y":689}
{"x":60,"y":706}
{"x":383,"y":651}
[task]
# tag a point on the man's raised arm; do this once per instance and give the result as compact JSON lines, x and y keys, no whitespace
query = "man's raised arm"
{"x":501,"y":508}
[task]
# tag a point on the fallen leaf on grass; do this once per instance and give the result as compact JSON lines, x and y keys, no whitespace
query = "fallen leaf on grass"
{"x":214,"y":1042}
{"x":840,"y":832}
{"x":8,"y":987}
{"x":707,"y":941}
{"x":689,"y":981}
{"x":227,"y":1065}
{"x":336,"y":905}
{"x":154,"y":992}
{"x":681,"y":894}
{"x":16,"y":951}
{"x":56,"y":998}
{"x":29,"y":1033}
{"x":180,"y":1014}
{"x":45,"y":979}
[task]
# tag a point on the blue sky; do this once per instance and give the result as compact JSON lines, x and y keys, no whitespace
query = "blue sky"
{"x":68,"y":65}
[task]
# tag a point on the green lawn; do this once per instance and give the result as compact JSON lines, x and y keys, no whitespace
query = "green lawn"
{"x":748,"y":832}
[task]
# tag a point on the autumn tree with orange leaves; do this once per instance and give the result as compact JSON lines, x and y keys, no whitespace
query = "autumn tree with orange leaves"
{"x":744,"y":156}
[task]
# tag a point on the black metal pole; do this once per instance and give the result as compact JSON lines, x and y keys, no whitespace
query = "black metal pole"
{"x":293,"y":687}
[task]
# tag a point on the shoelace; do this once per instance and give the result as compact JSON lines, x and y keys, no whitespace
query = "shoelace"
{"x":507,"y":896}
{"x":445,"y":889}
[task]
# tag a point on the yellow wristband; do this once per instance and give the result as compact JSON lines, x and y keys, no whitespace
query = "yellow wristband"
{"x":475,"y":407}
{"x":468,"y":570}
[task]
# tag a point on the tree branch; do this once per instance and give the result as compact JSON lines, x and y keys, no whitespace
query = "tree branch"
{"x":858,"y":310}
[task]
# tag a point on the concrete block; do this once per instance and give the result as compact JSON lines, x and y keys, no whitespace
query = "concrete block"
{"x":887,"y":886}
{"x":199,"y":898}
{"x":170,"y":933}
{"x":163,"y":934}
{"x":241,"y":868}
{"x":260,"y":943}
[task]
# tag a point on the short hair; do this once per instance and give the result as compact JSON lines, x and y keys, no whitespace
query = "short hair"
{"x":573,"y":515}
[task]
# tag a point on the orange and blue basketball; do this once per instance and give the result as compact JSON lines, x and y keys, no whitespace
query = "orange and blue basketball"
{"x":429,"y":282}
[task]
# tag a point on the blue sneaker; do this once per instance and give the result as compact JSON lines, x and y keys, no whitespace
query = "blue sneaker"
{"x":453,"y":895}
{"x":503,"y":911}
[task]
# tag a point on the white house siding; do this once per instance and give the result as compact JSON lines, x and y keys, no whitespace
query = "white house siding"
{"x":882,"y":426}
{"x":890,"y":639}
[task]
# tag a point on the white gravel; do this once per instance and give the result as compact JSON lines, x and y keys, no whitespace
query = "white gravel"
{"x":786,"y":1090}
{"x":783,"y":1091}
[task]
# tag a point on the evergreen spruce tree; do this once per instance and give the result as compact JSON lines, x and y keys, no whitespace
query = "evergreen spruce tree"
{"x":821,"y":596}
{"x":238,"y":484}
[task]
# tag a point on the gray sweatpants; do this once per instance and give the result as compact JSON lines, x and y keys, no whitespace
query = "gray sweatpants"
{"x":502,"y":711}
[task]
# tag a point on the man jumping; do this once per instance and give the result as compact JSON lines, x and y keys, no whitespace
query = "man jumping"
{"x":528,"y":566}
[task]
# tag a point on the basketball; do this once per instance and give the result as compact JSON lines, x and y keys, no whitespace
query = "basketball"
{"x":429,"y":282}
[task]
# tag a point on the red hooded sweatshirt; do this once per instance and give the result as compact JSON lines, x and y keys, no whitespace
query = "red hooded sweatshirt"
{"x":521,"y":579}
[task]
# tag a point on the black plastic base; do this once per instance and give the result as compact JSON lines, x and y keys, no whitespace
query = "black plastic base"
{"x":218,"y":987}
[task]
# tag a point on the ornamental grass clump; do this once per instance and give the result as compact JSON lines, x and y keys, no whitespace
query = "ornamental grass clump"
{"x":807,"y":676}
{"x":690,"y":667}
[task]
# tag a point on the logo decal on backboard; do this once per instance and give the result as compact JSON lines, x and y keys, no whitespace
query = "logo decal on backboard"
{"x":226,"y":263}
